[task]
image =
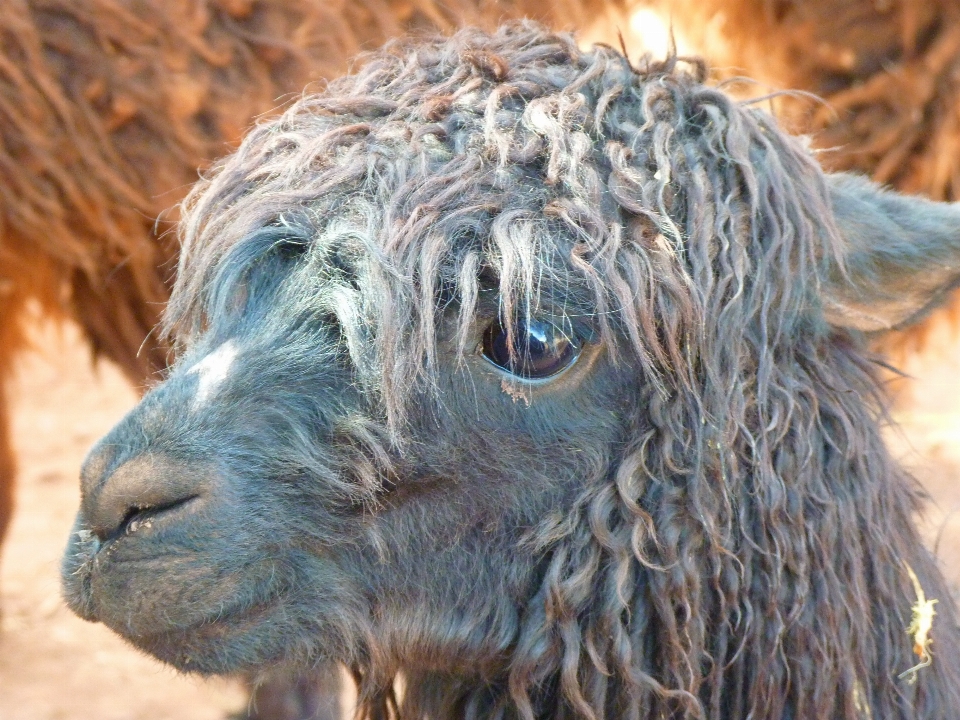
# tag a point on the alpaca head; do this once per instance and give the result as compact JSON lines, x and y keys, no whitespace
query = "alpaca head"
{"x":539,"y":378}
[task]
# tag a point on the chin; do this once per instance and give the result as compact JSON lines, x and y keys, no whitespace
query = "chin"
{"x":241,"y":640}
{"x":201,"y":611}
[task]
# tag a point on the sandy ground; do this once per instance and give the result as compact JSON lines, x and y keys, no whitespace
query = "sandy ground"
{"x":54,"y":666}
{"x":926,"y":439}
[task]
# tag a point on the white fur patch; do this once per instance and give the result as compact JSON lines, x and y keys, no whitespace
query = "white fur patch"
{"x":213,"y":370}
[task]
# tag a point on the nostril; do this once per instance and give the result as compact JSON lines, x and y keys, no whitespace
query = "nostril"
{"x":146,"y":489}
{"x":138,"y":517}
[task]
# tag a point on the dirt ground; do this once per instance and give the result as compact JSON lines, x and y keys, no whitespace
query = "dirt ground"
{"x":926,"y":440}
{"x":54,"y":666}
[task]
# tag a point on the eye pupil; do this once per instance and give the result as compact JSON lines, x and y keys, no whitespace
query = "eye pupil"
{"x":538,"y":349}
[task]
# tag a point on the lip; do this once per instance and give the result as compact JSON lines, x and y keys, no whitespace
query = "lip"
{"x":77,"y":572}
{"x":140,"y":548}
{"x":210,"y":644}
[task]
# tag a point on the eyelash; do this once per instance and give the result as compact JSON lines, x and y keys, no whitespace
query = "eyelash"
{"x":538,"y":350}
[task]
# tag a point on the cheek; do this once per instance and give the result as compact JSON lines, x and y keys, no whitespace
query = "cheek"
{"x":581,"y":407}
{"x":495,"y":447}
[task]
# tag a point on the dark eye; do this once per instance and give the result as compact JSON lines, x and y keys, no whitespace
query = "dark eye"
{"x":540,"y":349}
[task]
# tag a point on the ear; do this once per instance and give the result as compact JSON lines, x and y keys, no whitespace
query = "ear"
{"x":900,"y":256}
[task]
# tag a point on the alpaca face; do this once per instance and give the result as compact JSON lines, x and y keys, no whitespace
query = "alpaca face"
{"x":252,"y":508}
{"x":540,"y":380}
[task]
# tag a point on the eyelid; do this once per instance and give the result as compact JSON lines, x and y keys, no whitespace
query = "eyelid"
{"x":560,"y":346}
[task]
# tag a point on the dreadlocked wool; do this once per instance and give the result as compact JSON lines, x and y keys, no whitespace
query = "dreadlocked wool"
{"x":880,"y":82}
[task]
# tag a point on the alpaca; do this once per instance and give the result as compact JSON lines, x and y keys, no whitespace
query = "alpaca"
{"x":538,"y":380}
